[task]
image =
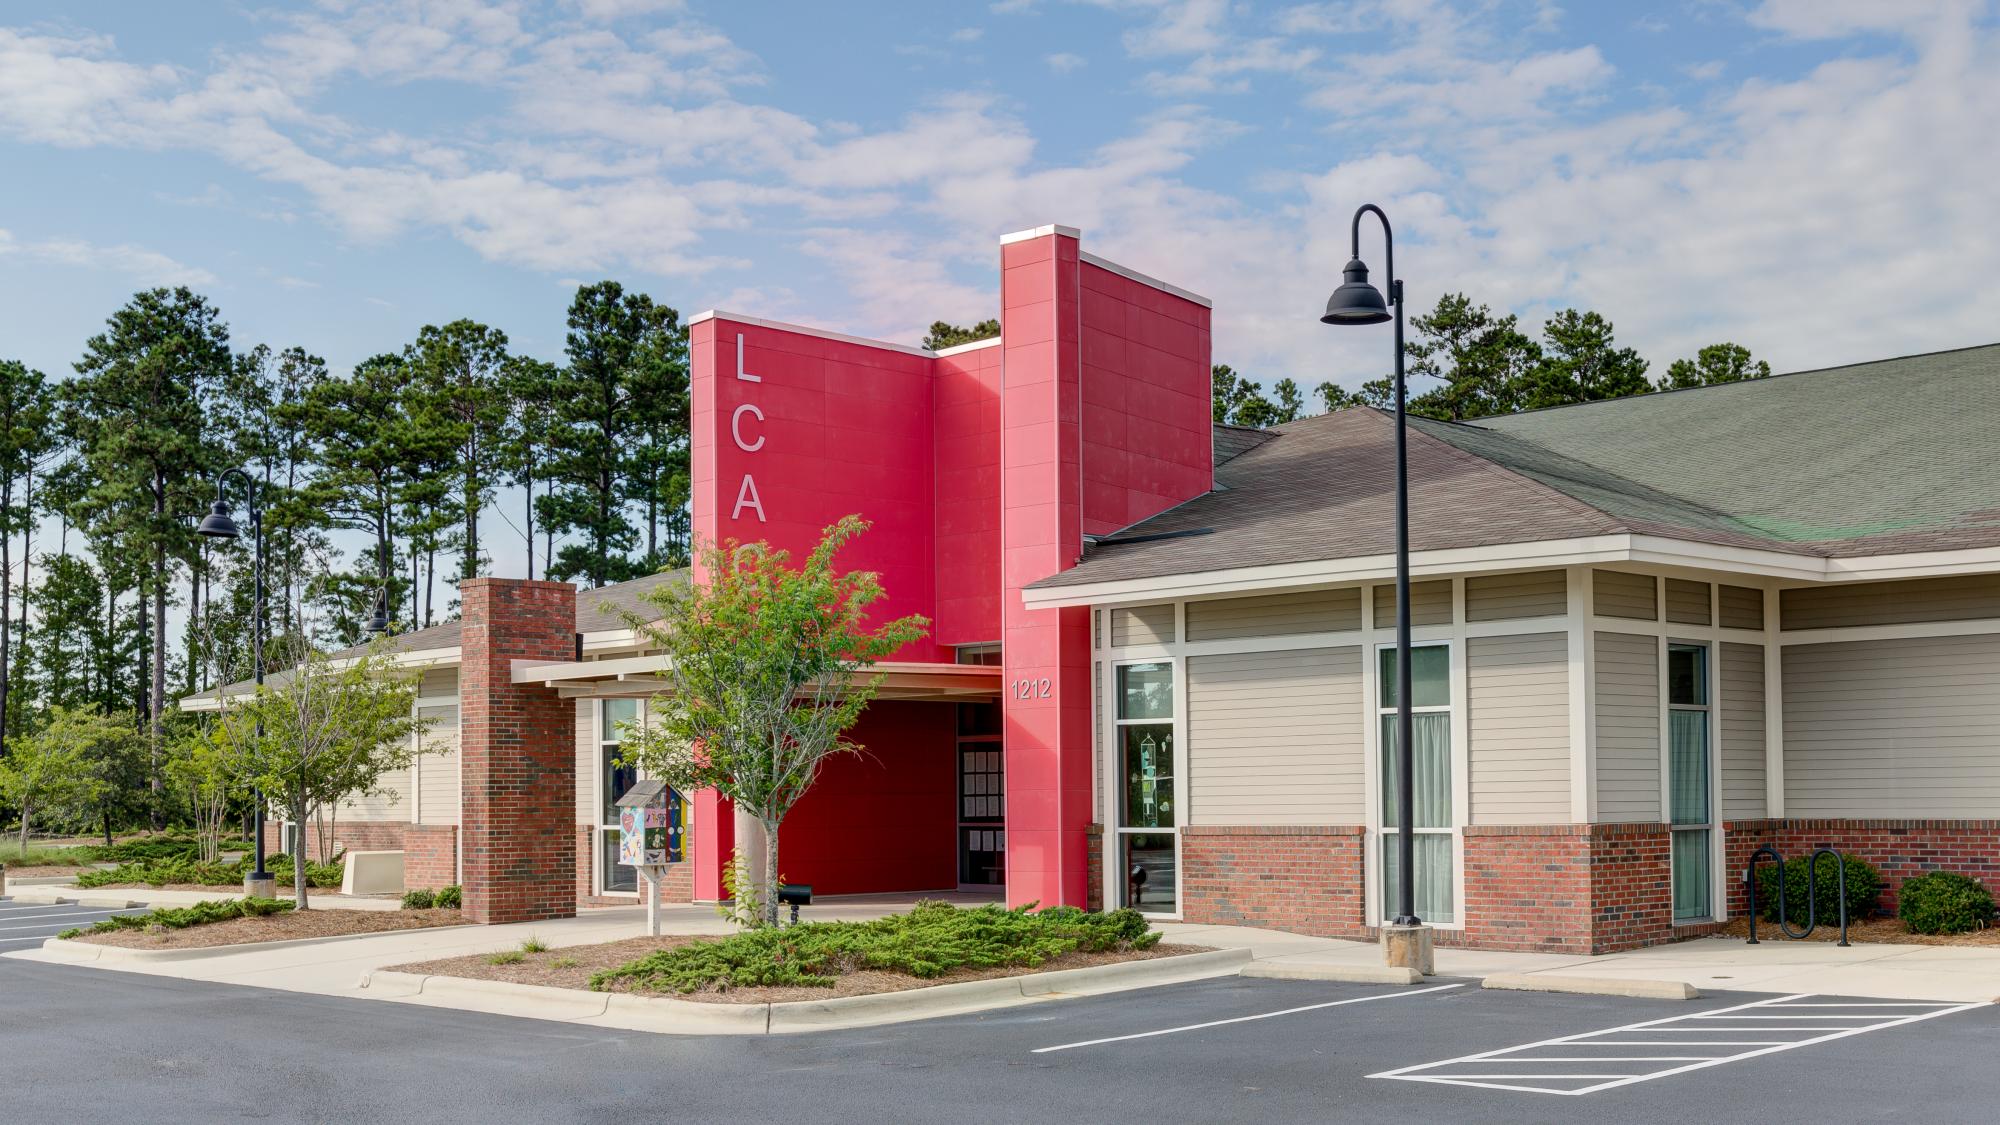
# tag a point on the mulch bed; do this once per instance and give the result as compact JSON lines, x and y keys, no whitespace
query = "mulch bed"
{"x":318,"y":922}
{"x":23,"y":871}
{"x":1881,"y":931}
{"x":554,"y":969}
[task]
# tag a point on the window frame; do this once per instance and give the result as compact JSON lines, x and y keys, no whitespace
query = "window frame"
{"x":604,"y":738}
{"x":1708,"y":679}
{"x":1380,"y":834}
{"x":1114,"y":788}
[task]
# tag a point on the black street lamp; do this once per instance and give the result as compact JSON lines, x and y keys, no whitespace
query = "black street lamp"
{"x":218,"y":524}
{"x":1358,"y":302}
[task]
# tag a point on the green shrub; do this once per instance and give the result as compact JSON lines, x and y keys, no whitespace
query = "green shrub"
{"x":162,"y":872}
{"x":146,"y":849}
{"x":934,"y":938}
{"x":534,"y":944}
{"x":1944,"y":902}
{"x":450,"y":898}
{"x":1864,"y":890}
{"x":419,"y":900}
{"x":509,"y":957}
{"x":181,"y":917}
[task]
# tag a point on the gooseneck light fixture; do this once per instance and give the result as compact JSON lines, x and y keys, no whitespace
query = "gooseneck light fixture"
{"x":1358,"y":302}
{"x":220,"y":524}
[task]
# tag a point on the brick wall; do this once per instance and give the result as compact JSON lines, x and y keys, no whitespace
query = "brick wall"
{"x":517,"y":753}
{"x":1631,"y":877}
{"x":1527,"y":888}
{"x":347,"y":835}
{"x":1304,"y":879}
{"x":1901,"y":849}
{"x":430,"y":856}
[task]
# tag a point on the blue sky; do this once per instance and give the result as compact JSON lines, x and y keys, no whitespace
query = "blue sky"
{"x":1812,"y":178}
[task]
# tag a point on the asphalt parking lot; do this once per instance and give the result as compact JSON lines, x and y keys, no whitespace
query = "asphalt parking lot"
{"x":1221,"y":1050}
{"x":25,"y":925}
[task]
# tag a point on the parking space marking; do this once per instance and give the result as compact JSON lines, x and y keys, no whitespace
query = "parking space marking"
{"x":35,"y":919}
{"x":1244,"y":1019}
{"x":1496,"y":1069}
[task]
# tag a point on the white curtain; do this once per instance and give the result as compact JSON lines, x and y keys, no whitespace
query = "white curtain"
{"x":1431,"y":762}
{"x":1687,"y":733}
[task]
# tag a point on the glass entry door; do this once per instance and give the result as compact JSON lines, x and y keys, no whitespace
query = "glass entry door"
{"x":982,"y":798}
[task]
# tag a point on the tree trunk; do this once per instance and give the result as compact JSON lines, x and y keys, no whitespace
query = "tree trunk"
{"x":26,"y":808}
{"x":157,"y":704}
{"x":7,"y":605}
{"x":299,"y":821}
{"x":770,"y":888}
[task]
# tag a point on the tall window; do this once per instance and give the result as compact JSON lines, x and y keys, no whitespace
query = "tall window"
{"x":1147,"y":861}
{"x":1688,"y":774}
{"x":1430,"y":704}
{"x":613,"y":877}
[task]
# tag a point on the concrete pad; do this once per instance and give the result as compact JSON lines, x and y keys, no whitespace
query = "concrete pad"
{"x":1297,"y":969}
{"x":1594,"y":986}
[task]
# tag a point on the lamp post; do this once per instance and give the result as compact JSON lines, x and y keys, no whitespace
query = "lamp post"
{"x":218,"y":524}
{"x":1406,"y":941}
{"x":378,"y":622}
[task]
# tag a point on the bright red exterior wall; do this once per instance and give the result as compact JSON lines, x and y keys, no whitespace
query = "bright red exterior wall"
{"x":882,"y":820}
{"x":965,"y":396}
{"x":981,"y":472}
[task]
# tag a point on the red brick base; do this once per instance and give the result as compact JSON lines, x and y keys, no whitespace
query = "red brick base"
{"x":1901,"y":849}
{"x":430,"y":851}
{"x":430,"y":856}
{"x":1304,"y":879}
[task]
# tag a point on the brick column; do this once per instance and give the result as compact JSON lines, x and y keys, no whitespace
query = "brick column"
{"x":517,"y":753}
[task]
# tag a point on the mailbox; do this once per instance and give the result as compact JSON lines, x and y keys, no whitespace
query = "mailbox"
{"x":650,"y":823}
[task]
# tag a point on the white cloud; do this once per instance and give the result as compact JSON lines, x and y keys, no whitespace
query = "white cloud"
{"x":967,"y":34}
{"x":1828,"y":19}
{"x":1062,"y":62}
{"x":143,"y":266}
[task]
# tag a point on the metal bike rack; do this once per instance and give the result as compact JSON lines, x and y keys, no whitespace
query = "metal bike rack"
{"x":1812,"y":899}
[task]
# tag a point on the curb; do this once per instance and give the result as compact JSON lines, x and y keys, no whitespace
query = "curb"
{"x":685,"y":1017}
{"x":1595,"y":986}
{"x":48,"y":896}
{"x":1345,"y":974}
{"x":197,"y":953}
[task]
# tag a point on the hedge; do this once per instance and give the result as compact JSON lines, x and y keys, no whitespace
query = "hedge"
{"x":1864,"y":890}
{"x":1944,"y":902}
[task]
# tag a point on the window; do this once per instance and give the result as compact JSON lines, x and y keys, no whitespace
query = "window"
{"x":982,"y":797}
{"x":988,"y":654}
{"x":1688,"y":780}
{"x":1148,"y":845}
{"x":613,"y":780}
{"x":1435,"y":834}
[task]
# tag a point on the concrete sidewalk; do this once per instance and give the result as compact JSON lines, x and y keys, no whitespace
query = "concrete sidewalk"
{"x":1898,"y":972}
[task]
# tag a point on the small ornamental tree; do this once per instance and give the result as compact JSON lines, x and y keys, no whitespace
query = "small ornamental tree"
{"x":51,"y":771}
{"x":319,"y":733}
{"x":767,"y":670}
{"x":198,"y":767}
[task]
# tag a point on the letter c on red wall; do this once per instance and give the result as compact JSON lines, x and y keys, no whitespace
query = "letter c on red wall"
{"x":736,"y":427}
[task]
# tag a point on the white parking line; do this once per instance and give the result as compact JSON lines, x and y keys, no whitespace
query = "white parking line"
{"x":1245,"y":1019}
{"x":73,"y":914}
{"x":1490,"y":1069}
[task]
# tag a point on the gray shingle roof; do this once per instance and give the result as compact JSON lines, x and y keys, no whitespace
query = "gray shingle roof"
{"x":1890,"y":456}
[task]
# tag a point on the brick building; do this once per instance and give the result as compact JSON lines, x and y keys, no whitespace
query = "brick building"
{"x":1651,"y":635}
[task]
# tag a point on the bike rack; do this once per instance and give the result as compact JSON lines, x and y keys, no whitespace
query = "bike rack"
{"x":1812,"y":899}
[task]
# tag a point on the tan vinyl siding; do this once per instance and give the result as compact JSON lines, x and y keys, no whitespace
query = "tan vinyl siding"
{"x":437,"y":774}
{"x":438,"y":681}
{"x":1893,"y":728}
{"x":1276,"y":737}
{"x":586,"y":762}
{"x":1142,"y":625}
{"x":1742,"y":607}
{"x":1519,"y":728}
{"x":1275,"y":615}
{"x":1628,"y":727}
{"x":1687,"y":602}
{"x":1614,"y":593}
{"x":1430,"y":603}
{"x":1741,"y":720}
{"x":1503,"y":597}
{"x":394,"y":804}
{"x":1891,"y":603}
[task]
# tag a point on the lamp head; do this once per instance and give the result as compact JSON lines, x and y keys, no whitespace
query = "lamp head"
{"x":378,"y":622}
{"x":1356,"y":301}
{"x":218,"y":524}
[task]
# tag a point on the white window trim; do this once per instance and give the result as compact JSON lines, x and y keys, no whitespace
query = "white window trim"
{"x":1717,"y":861}
{"x":1452,"y":639}
{"x":599,"y":741}
{"x":1113,"y":877}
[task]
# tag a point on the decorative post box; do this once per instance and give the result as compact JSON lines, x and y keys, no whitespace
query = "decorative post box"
{"x":651,"y":830}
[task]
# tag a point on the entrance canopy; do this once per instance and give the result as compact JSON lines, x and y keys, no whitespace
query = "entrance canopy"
{"x":640,"y":676}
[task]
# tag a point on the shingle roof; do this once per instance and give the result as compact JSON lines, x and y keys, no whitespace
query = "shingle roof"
{"x":597,"y":611}
{"x":1891,"y":456}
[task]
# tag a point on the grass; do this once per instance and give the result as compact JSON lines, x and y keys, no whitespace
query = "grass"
{"x":12,"y":855}
{"x":534,"y":944}
{"x":164,"y":847}
{"x":934,"y":938}
{"x":564,"y":963}
{"x":181,"y":917}
{"x":509,"y":957}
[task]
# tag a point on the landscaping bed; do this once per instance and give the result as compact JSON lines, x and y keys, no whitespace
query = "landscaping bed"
{"x":286,"y":925}
{"x":1882,"y":931}
{"x":934,"y":944}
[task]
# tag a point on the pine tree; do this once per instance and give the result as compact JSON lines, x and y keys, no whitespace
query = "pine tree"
{"x":25,"y":437}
